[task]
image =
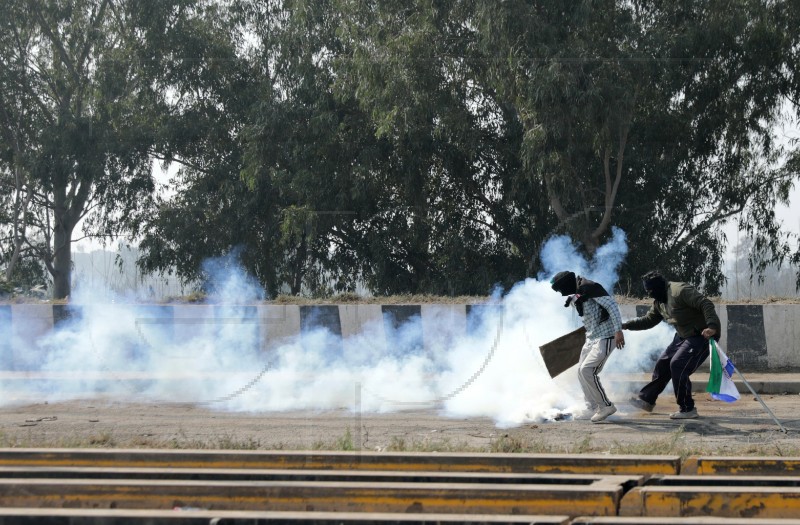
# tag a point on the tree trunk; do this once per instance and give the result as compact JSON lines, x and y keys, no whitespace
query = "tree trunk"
{"x":297,"y":280}
{"x":14,"y":257}
{"x":62,"y":256}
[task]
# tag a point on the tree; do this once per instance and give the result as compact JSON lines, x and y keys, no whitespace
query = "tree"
{"x":451,"y":216}
{"x":21,"y":124}
{"x":218,"y":82}
{"x":313,"y":151}
{"x":434,"y":146}
{"x":77,"y":115}
{"x":656,"y":116}
{"x":726,"y":86}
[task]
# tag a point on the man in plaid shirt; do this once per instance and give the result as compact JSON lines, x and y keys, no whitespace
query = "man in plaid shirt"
{"x":603,"y":324}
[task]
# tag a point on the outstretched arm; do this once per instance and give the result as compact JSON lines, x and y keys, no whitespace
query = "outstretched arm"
{"x":648,"y":320}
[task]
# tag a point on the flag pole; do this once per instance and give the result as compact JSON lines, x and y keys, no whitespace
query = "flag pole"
{"x":761,"y":401}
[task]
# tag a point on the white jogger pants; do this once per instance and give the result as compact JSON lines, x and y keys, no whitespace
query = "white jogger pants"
{"x":594,"y":354}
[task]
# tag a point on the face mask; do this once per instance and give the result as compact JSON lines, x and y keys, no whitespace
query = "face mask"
{"x":565,"y":282}
{"x":656,"y":288}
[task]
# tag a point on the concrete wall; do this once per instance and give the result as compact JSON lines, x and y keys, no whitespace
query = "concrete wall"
{"x":756,"y":337}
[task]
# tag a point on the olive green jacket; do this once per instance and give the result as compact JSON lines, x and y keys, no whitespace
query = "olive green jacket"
{"x":689,"y":311}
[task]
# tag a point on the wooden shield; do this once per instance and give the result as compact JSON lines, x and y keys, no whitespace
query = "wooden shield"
{"x":564,"y":352}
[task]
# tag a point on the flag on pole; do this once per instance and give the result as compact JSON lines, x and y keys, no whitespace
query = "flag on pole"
{"x":720,"y":382}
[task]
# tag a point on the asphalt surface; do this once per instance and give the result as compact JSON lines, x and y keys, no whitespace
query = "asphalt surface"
{"x":741,"y":428}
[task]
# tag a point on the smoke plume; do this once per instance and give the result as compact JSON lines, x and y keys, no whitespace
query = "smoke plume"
{"x":485,"y":366}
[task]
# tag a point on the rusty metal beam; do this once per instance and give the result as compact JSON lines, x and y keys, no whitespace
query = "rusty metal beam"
{"x":410,"y":461}
{"x":215,"y":474}
{"x":736,"y":466}
{"x":719,"y":501}
{"x":705,"y":520}
{"x":17,"y":516}
{"x":596,"y":499}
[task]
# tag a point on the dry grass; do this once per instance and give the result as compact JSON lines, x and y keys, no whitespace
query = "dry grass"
{"x":517,"y":442}
{"x":350,"y":298}
{"x":391,"y":299}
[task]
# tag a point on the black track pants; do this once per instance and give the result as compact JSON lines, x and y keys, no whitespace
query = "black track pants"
{"x":680,"y":359}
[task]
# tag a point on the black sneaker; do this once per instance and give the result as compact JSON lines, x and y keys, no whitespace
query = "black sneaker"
{"x":641,"y":404}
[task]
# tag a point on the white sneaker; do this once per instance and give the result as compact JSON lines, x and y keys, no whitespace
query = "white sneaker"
{"x":584,"y":414}
{"x":689,"y":414}
{"x":603,"y":412}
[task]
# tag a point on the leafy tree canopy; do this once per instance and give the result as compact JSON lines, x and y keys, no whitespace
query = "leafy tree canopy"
{"x":410,"y":146}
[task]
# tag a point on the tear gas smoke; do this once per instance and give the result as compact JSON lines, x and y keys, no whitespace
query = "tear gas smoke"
{"x":489,"y":367}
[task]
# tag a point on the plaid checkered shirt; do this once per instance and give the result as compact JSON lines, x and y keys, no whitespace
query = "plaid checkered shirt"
{"x":591,"y":317}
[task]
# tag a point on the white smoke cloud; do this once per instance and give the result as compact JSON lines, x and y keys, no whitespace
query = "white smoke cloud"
{"x":560,"y":253}
{"x":490,"y":368}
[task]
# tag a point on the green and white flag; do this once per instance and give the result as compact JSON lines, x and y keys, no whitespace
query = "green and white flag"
{"x":720,"y":382}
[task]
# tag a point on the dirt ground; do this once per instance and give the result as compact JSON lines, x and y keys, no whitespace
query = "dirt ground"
{"x":741,"y":428}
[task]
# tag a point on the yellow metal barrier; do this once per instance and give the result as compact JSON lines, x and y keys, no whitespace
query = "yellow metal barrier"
{"x":409,"y":461}
{"x":595,"y":499}
{"x":705,"y":520}
{"x":734,"y":466}
{"x":22,"y":516}
{"x":728,"y":501}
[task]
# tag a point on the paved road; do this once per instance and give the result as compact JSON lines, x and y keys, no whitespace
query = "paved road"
{"x":739,"y":428}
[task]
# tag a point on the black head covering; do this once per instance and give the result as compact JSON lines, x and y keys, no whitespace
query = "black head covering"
{"x":655,"y":286}
{"x":565,"y":282}
{"x":579,"y":289}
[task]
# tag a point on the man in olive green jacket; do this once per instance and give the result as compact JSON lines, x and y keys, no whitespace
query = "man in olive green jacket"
{"x":695,"y":321}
